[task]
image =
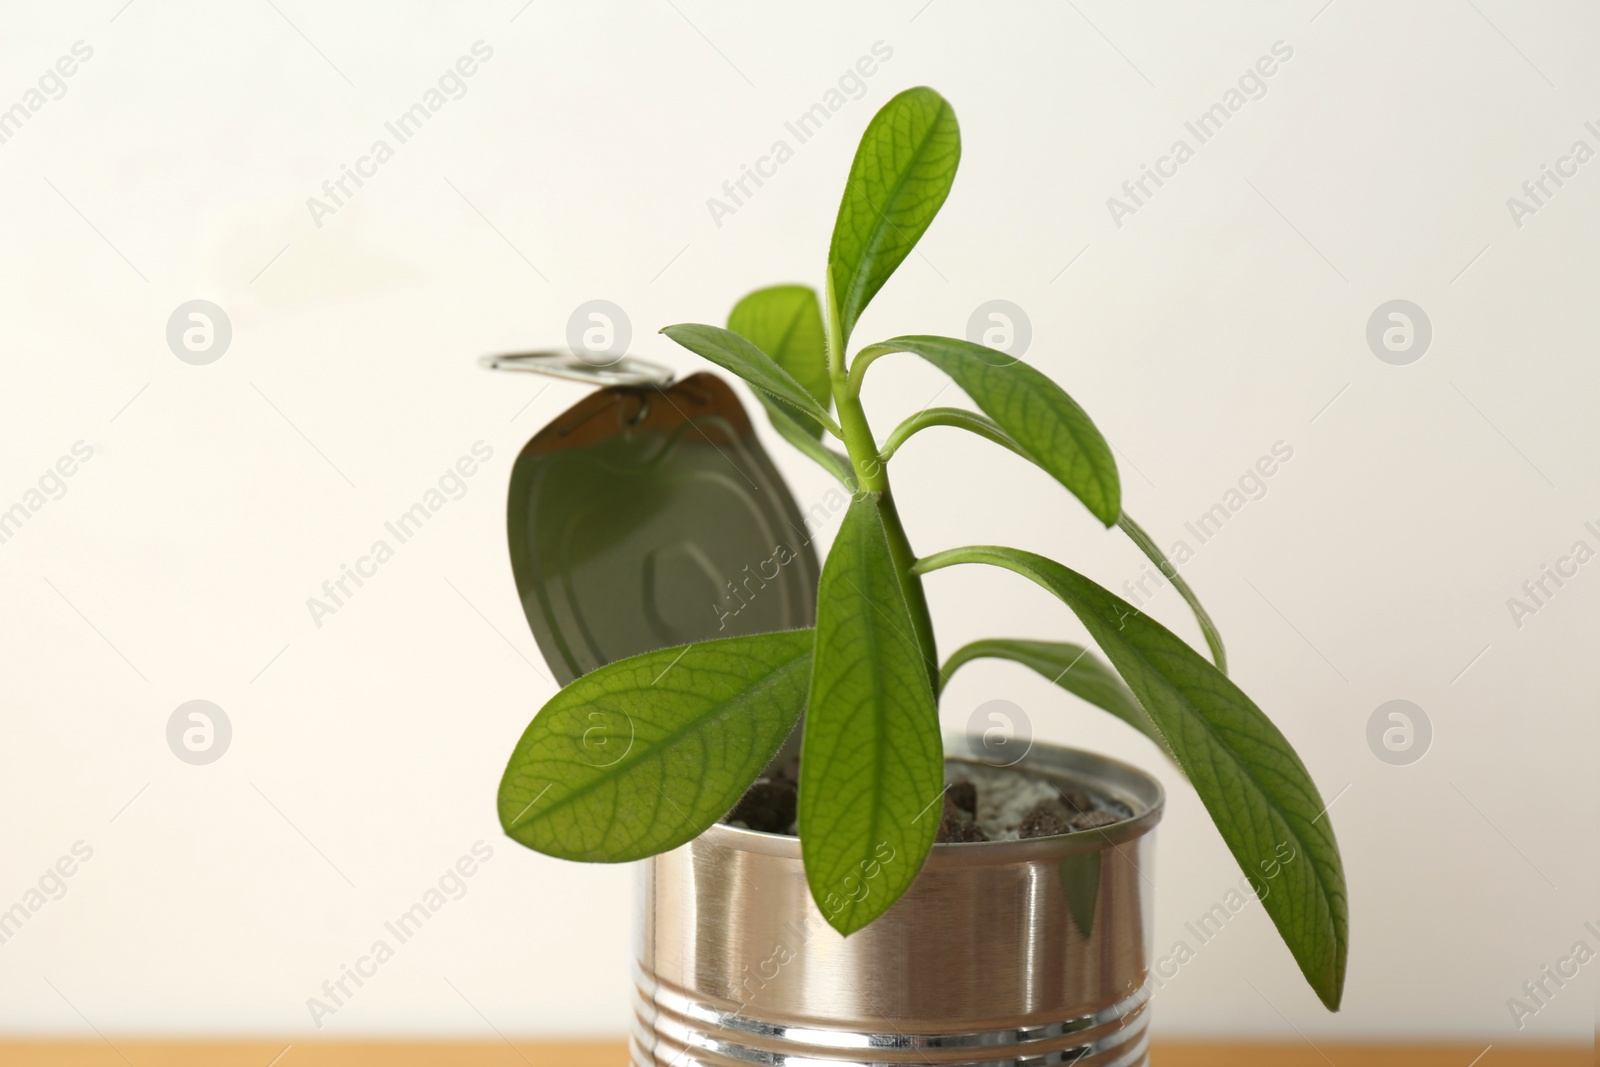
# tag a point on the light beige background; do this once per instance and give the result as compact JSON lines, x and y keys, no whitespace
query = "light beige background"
{"x":1226,"y":315}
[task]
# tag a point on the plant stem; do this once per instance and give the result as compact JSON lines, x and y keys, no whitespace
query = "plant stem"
{"x":1208,"y":628}
{"x":872,"y":476}
{"x":971,"y":421}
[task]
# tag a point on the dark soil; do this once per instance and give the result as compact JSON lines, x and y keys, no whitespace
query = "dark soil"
{"x":958,"y":823}
{"x":1051,"y":817}
{"x":1046,"y":819}
{"x":770,"y":804}
{"x":963,"y":795}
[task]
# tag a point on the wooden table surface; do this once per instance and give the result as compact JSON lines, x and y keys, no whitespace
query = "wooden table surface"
{"x":128,"y":1052}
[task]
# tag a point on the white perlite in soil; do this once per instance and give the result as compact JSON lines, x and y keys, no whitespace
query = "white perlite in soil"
{"x":1005,"y":795}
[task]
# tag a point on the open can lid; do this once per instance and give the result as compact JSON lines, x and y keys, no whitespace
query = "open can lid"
{"x":648,"y":515}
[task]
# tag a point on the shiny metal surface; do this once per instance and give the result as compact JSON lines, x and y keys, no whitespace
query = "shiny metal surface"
{"x":646,"y":517}
{"x":1014,"y":952}
{"x":574,"y":368}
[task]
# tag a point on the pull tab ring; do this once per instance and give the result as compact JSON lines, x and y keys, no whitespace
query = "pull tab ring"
{"x":568,"y":366}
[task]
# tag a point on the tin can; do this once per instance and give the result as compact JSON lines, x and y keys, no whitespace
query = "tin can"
{"x":1032,"y":952}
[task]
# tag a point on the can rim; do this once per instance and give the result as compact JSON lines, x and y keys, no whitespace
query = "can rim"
{"x":1120,"y":781}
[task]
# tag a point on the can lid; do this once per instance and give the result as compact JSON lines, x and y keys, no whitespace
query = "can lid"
{"x":649,"y":515}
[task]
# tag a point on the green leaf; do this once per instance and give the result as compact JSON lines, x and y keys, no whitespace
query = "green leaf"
{"x":733,"y":353}
{"x":1255,"y":787}
{"x":1072,"y":667}
{"x":1047,"y":425}
{"x":643,"y":754}
{"x":1154,"y":554}
{"x":785,"y":322}
{"x":871,"y":763}
{"x":802,"y":437}
{"x":899,"y":179}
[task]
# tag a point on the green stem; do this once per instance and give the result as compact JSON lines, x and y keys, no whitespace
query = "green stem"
{"x":1152,"y":552}
{"x":863,"y":360}
{"x":835,"y":338}
{"x":971,"y":421}
{"x":950,"y":557}
{"x":872,"y":476}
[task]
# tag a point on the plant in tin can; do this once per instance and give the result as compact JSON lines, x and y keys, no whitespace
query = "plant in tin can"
{"x":644,"y":754}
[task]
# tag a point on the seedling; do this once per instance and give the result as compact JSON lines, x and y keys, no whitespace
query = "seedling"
{"x":644,"y":754}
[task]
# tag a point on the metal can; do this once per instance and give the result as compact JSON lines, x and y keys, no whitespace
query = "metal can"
{"x":1031,"y":952}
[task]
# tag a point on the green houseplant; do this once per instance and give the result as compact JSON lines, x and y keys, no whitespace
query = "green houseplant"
{"x":641,"y":756}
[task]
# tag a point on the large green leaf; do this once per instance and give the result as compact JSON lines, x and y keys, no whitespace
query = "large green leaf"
{"x":898,"y":181}
{"x":643,"y":754}
{"x":1153,"y":553}
{"x":1047,"y":425}
{"x":1072,"y":667}
{"x":1255,"y":787}
{"x":733,"y":353}
{"x":785,"y":322}
{"x":871,"y":764}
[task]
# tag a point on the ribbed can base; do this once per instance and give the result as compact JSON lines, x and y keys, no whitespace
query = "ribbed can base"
{"x":674,"y":1030}
{"x":1006,"y":953}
